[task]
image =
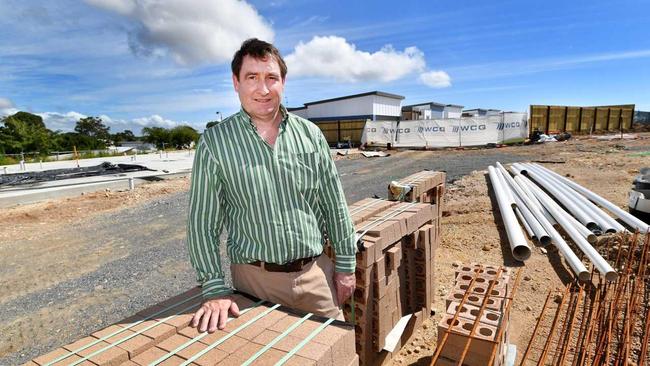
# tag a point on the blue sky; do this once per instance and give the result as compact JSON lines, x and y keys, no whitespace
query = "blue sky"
{"x":142,"y":62}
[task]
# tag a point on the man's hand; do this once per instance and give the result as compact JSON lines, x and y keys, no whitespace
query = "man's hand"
{"x":345,"y":285}
{"x":213,"y":314}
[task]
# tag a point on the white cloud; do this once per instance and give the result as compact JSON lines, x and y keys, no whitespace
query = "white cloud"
{"x":191,"y":31}
{"x":66,"y":121}
{"x":334,"y":57}
{"x":61,"y":121}
{"x":155,"y":120}
{"x":436,"y":79}
{"x":7,"y":107}
{"x":6,"y":103}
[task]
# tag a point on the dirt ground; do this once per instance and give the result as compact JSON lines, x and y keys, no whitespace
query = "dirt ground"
{"x":471,"y":229}
{"x":473,"y":232}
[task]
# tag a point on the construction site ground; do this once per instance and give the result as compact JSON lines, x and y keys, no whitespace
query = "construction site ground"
{"x":74,"y":265}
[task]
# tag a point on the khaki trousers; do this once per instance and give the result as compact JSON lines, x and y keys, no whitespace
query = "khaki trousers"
{"x":311,"y":290}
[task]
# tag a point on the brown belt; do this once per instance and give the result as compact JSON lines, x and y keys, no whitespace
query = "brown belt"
{"x":295,"y":266}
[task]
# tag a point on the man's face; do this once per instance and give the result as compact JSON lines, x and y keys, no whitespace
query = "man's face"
{"x":260,"y":87}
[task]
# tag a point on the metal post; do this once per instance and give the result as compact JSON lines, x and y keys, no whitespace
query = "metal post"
{"x":131,"y":184}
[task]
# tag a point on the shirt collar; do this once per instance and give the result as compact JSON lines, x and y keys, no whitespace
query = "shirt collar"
{"x":249,"y":122}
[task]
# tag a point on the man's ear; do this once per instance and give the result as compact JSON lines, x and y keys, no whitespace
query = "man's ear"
{"x":235,"y":82}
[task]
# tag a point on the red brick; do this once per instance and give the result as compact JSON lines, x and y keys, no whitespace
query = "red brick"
{"x":312,"y":350}
{"x":172,"y":361}
{"x":173,"y":342}
{"x":135,"y":344}
{"x":232,"y":344}
{"x":149,"y":356}
{"x":296,"y":360}
{"x":213,"y":337}
{"x":111,"y":356}
{"x":210,"y":358}
{"x":190,"y":332}
{"x":180,"y":321}
{"x":59,"y":352}
{"x":159,"y":331}
{"x":232,"y":360}
{"x":269,"y":358}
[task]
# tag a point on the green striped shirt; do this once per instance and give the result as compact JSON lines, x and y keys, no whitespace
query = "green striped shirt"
{"x":275,"y":202}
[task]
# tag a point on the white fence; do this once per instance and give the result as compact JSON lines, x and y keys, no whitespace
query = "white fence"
{"x":473,"y":131}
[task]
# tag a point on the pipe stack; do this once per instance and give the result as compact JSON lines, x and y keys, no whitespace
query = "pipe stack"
{"x":544,"y":201}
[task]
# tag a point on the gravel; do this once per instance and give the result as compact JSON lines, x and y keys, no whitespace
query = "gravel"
{"x":156,"y":266}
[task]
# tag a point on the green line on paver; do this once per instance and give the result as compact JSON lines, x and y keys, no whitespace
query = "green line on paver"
{"x":129,"y":337}
{"x":276,"y":340}
{"x":226,"y":337}
{"x":297,"y":348}
{"x":70,"y":353}
{"x":200,"y":336}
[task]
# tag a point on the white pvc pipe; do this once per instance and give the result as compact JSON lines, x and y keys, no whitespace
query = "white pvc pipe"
{"x":518,"y":244}
{"x":577,"y":212}
{"x":541,"y":234}
{"x":599,"y":262}
{"x":574,"y":262}
{"x":623,"y":215}
{"x":586,"y":233}
{"x":517,"y":168}
{"x":523,"y":221}
{"x":603,"y":220}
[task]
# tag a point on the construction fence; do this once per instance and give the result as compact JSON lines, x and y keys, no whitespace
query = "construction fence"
{"x":551,"y":119}
{"x":452,"y":132}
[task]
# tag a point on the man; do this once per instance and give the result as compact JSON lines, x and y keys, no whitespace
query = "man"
{"x":268,"y":177}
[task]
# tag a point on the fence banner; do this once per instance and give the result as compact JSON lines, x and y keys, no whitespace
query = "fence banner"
{"x":379,"y":133}
{"x":453,"y":132}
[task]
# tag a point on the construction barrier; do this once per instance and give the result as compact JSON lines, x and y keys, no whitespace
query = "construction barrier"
{"x":452,"y":132}
{"x":551,"y":119}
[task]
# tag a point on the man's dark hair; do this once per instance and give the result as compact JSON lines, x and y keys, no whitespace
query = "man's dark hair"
{"x":257,"y":49}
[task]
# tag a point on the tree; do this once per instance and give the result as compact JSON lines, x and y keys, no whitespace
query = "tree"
{"x":93,"y":127}
{"x":182,"y":137}
{"x":25,"y":132}
{"x":156,"y":136}
{"x":126,"y":135}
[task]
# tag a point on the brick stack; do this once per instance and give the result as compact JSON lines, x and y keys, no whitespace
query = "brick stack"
{"x":167,"y":331}
{"x":426,"y":186}
{"x":486,"y":338}
{"x":394,"y":272}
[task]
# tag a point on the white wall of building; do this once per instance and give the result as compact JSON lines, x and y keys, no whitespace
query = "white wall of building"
{"x":386,"y":106}
{"x":345,"y":107}
{"x":301,"y":113}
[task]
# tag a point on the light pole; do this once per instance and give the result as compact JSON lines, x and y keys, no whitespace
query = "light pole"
{"x":220,"y":116}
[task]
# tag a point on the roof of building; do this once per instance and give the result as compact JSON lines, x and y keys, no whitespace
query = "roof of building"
{"x":481,"y":109}
{"x":409,"y":107}
{"x":291,"y":109}
{"x":381,"y":94}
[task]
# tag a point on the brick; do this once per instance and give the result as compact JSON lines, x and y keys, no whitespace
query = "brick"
{"x":265,"y":322}
{"x":296,"y":360}
{"x":216,"y":336}
{"x":210,"y":358}
{"x":136,"y":345}
{"x":110,"y":356}
{"x":480,"y":348}
{"x":232,"y":360}
{"x":59,"y":352}
{"x":471,"y":312}
{"x":159,"y":331}
{"x":364,"y":276}
{"x":269,"y":358}
{"x":366,"y":254}
{"x":232,"y":344}
{"x":120,"y":333}
{"x":172,"y":361}
{"x":394,"y":256}
{"x":493,"y":303}
{"x":149,"y":356}
{"x":173,"y":342}
{"x":180,"y":321}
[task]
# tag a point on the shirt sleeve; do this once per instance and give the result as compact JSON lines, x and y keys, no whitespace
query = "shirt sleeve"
{"x":205,"y":222}
{"x":336,"y":215}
